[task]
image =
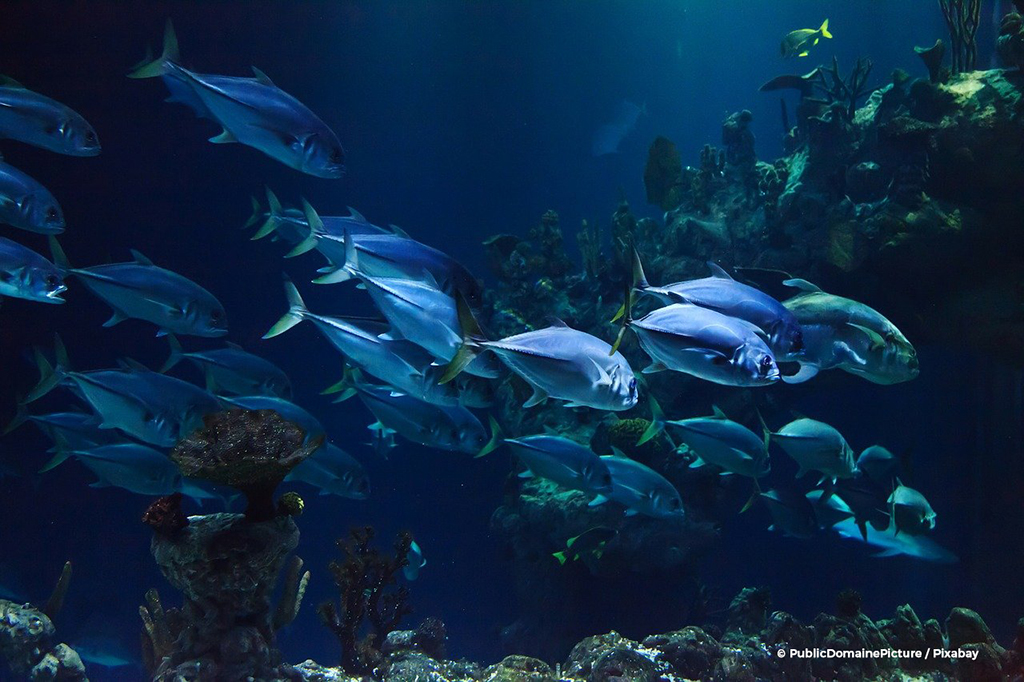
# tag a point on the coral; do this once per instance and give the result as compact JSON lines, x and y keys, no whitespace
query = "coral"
{"x":551,"y":260}
{"x":165,"y":516}
{"x":226,"y":566}
{"x":295,"y":583}
{"x":962,"y":19}
{"x":26,"y":639}
{"x":662,"y":174}
{"x":429,"y":638}
{"x":623,"y":228}
{"x":364,"y":578}
{"x":834,"y":89}
{"x":1010,"y":43}
{"x":932,"y":58}
{"x":588,"y":239}
{"x":250,"y":450}
{"x":748,"y":611}
{"x":848,"y":604}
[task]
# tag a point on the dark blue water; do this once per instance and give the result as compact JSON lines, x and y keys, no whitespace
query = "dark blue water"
{"x":460,"y":120}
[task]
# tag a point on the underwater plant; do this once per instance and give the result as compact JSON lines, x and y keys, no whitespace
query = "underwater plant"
{"x":962,"y":18}
{"x":365,"y":577}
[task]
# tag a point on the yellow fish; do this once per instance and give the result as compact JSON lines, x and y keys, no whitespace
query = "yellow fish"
{"x":797,"y":43}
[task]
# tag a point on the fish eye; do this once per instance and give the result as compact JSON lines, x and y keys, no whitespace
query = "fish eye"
{"x":52,"y":281}
{"x":52,"y":213}
{"x":216,"y":315}
{"x":337,"y":156}
{"x":766,"y":364}
{"x":90,"y":136}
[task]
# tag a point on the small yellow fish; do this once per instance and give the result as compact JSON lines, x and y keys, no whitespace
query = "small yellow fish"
{"x":797,"y":43}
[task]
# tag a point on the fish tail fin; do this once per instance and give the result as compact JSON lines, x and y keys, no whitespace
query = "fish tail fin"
{"x":316,"y":228}
{"x":62,"y":451}
{"x":60,"y":259}
{"x":177,"y":353}
{"x":296,"y":311}
{"x":824,"y":29}
{"x":639,"y":282}
{"x":657,"y":421}
{"x":158,"y":67}
{"x":626,"y":315}
{"x":753,"y":497}
{"x":347,"y":387}
{"x":257,"y":213}
{"x":49,"y":375}
{"x":471,"y":337}
{"x":20,"y":417}
{"x":495,"y":441}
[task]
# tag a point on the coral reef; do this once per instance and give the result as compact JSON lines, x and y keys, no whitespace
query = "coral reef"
{"x":756,"y":644}
{"x":365,"y":578}
{"x":27,"y":639}
{"x":1010,"y":43}
{"x":250,"y":450}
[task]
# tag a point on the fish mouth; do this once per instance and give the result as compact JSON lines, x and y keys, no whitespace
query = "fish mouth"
{"x":54,"y":296}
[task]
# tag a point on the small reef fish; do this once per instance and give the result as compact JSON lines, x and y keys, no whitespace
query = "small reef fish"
{"x":146,"y":405}
{"x":723,"y":294}
{"x":233,"y":370}
{"x":816,"y":446}
{"x":35,"y":119}
{"x":792,"y":513}
{"x":609,"y":136}
{"x":251,"y":111}
{"x":562,"y":461}
{"x":25,"y":274}
{"x":557,"y":362}
{"x":133,"y":467}
{"x":334,"y":472}
{"x":798,"y":43}
{"x":452,"y":428}
{"x":588,"y":546}
{"x":842,"y":333}
{"x":892,"y":544}
{"x":397,"y":363}
{"x":26,"y":204}
{"x":640,"y":489}
{"x":411,"y":570}
{"x":140,"y":290}
{"x":910,"y":511}
{"x":384,"y":255}
{"x":703,"y":343}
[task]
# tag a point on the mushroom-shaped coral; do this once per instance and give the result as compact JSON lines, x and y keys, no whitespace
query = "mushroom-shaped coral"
{"x":250,"y":450}
{"x":932,"y":58}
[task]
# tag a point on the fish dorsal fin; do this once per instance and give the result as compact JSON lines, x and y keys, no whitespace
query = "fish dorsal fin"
{"x":233,"y":346}
{"x":802,"y":285}
{"x":718,"y":412}
{"x":261,"y":77}
{"x":140,"y":258}
{"x":8,"y":82}
{"x":398,"y":232}
{"x":129,"y":363}
{"x":556,"y":321}
{"x":356,"y":215}
{"x":717,"y":271}
{"x":618,"y":453}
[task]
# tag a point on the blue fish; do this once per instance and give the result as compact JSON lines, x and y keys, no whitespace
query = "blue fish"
{"x":68,"y":431}
{"x":411,"y":570}
{"x":26,"y":204}
{"x":334,"y":472}
{"x":25,"y":274}
{"x":890,"y":543}
{"x":385,"y":255}
{"x":609,"y":136}
{"x":133,"y":467}
{"x":726,"y":444}
{"x":146,"y":405}
{"x":792,"y":513}
{"x":292,"y":224}
{"x":140,"y":290}
{"x":562,"y":461}
{"x":640,"y":489}
{"x":723,"y":294}
{"x":233,"y":370}
{"x":37,"y":120}
{"x":251,"y":111}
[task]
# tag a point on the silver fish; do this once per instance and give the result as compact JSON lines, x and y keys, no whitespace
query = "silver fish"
{"x":557,"y":362}
{"x":132,"y":467}
{"x":251,"y":111}
{"x":334,"y":472}
{"x":25,"y":274}
{"x":910,"y":511}
{"x":564,"y":462}
{"x":828,"y":509}
{"x":726,"y":444}
{"x":844,"y":334}
{"x":640,"y":489}
{"x":233,"y":370}
{"x":892,"y":544}
{"x":816,"y":446}
{"x":723,"y":294}
{"x":792,"y":513}
{"x":397,"y":363}
{"x":37,"y":120}
{"x":141,"y":290}
{"x":68,"y":431}
{"x":292,"y":224}
{"x":705,"y":344}
{"x":26,"y":204}
{"x":878,"y":463}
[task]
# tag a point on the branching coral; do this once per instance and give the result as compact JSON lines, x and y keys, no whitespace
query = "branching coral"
{"x":833,"y":88}
{"x":365,"y":578}
{"x":588,"y":240}
{"x":962,"y":18}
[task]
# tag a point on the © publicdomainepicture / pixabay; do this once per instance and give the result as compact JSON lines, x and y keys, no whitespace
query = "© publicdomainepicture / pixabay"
{"x":494,"y":341}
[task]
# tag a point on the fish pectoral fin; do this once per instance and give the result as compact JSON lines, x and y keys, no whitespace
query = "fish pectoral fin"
{"x":631,"y":512}
{"x":877,"y":341}
{"x":538,"y":397}
{"x":597,"y":501}
{"x":525,"y":473}
{"x":698,"y":463}
{"x":654,"y":367}
{"x":803,"y":54}
{"x":115,"y":318}
{"x":225,"y":137}
{"x":805,"y":373}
